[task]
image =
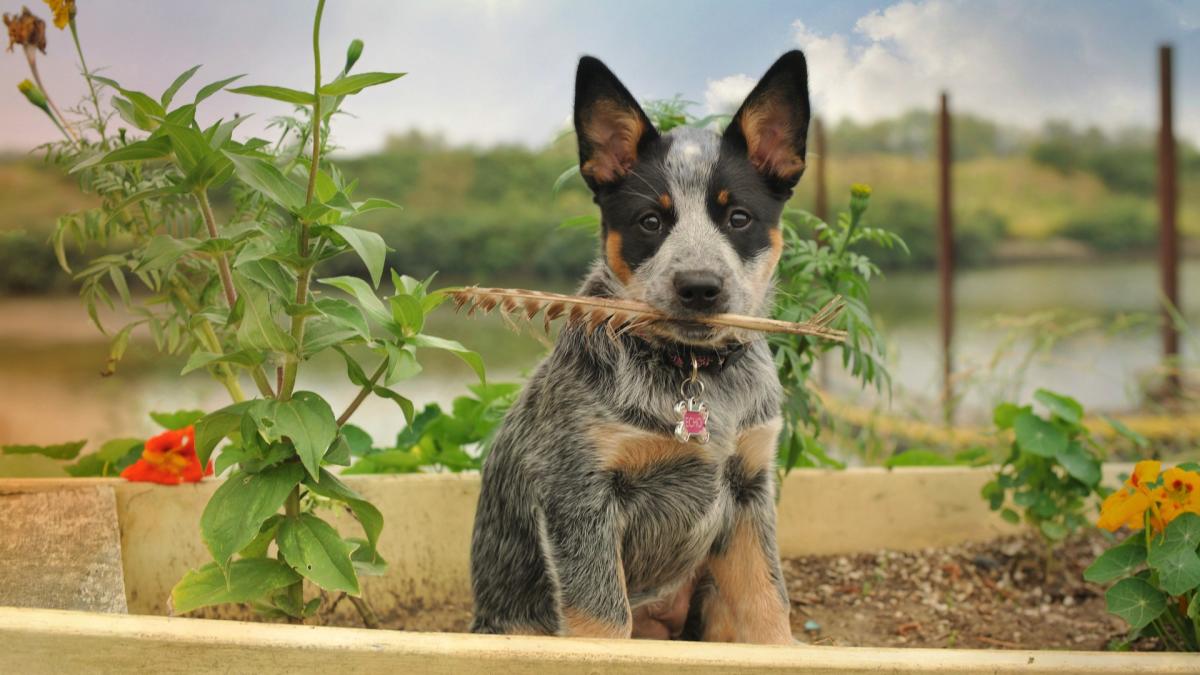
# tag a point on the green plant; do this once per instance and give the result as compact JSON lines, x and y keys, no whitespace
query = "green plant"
{"x":235,"y":294}
{"x":1052,"y":470}
{"x":1156,"y":569}
{"x":820,"y":262}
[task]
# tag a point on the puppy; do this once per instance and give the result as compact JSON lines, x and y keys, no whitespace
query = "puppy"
{"x":630,"y":492}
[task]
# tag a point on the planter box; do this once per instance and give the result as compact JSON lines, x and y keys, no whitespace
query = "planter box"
{"x":426,"y":540}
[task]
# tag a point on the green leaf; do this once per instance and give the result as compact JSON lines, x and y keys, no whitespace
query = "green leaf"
{"x":1038,"y":436}
{"x":1005,"y":414}
{"x":217,"y":425}
{"x":169,"y":94}
{"x":247,"y":580}
{"x":265,"y":177}
{"x":259,"y":330}
{"x":365,"y":296}
{"x":406,"y":406}
{"x":1053,"y":530}
{"x":364,"y":511}
{"x":360,"y":441}
{"x":1010,"y":516}
{"x":1062,"y":407}
{"x":564,"y":177}
{"x":469,"y":357}
{"x":210,"y":89}
{"x":1135,"y":601}
{"x":202,"y":359}
{"x":369,"y":246}
{"x":258,"y":547}
{"x":178,"y":419}
{"x":587,"y":222}
{"x":236,"y":511}
{"x":314,"y":549}
{"x":276,"y":93}
{"x":408,"y":314}
{"x":1119,"y":561}
{"x":1137,"y":439}
{"x":353,"y":84}
{"x":109,"y":460}
{"x":59,"y":451}
{"x":1080,"y":464}
{"x":345,"y":314}
{"x":158,"y":147}
{"x":307,"y":420}
{"x":1178,"y":568}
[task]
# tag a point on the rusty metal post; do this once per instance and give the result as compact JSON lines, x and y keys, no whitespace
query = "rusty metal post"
{"x":1168,"y":237}
{"x":945,"y":258}
{"x":821,"y":201}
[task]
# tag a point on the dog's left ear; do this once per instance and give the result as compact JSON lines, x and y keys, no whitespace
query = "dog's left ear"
{"x":772,"y":124}
{"x":609,"y":123}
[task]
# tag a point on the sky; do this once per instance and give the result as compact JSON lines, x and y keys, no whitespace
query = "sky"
{"x":500,"y":71}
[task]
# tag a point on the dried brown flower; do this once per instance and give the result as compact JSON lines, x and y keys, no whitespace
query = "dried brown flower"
{"x":25,"y":29}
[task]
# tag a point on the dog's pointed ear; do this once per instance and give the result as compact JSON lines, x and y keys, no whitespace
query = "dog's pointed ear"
{"x":609,"y":123}
{"x":772,"y":124}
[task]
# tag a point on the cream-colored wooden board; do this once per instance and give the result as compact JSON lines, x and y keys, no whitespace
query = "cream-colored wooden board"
{"x":56,"y":642}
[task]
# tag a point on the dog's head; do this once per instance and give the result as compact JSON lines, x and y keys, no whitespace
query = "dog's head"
{"x":690,"y":218}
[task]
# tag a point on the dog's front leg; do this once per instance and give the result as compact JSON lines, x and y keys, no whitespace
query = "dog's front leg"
{"x":746,"y":599}
{"x":580,"y":531}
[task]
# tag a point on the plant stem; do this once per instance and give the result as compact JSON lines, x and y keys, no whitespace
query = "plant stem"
{"x":222,"y":261}
{"x":363,"y":393}
{"x":370,"y":619}
{"x":291,"y":509}
{"x":30,"y":55}
{"x":87,"y":75}
{"x":292,"y":365}
{"x":224,"y":373}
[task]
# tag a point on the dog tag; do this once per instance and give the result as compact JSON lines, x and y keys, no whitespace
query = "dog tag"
{"x":693,"y":420}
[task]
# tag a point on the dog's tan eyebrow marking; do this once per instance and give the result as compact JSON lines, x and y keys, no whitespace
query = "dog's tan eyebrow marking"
{"x":665,"y":200}
{"x":612,"y":252}
{"x":723,"y":197}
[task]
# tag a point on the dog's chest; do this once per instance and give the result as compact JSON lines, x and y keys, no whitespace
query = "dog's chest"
{"x":675,"y":499}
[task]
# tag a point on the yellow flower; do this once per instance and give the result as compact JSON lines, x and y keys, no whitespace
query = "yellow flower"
{"x":1125,"y":507}
{"x":1180,"y":493}
{"x":1144,"y":473}
{"x":64,"y":12}
{"x":25,"y":29}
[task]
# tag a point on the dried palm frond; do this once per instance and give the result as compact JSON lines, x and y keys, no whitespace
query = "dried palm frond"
{"x":622,"y":316}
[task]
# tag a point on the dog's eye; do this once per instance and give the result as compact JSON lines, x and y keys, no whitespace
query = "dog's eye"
{"x":739,"y":219}
{"x":650,"y":223}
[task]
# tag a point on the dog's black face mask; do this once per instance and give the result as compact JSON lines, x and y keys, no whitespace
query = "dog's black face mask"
{"x":691,"y":217}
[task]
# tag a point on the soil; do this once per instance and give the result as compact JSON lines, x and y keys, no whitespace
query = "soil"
{"x":994,"y":595}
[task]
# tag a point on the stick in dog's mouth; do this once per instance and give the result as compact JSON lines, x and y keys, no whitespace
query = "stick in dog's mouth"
{"x":623,"y":316}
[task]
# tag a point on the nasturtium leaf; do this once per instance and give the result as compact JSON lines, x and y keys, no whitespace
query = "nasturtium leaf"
{"x":314,"y":549}
{"x":368,"y":516}
{"x":369,"y":246}
{"x":1079,"y":464}
{"x":1117,"y":562}
{"x":57,"y":451}
{"x":178,"y":419}
{"x":248,"y":579}
{"x":276,"y":93}
{"x":1182,"y":532}
{"x":1063,"y":407}
{"x":1178,"y":569}
{"x":352,"y":84}
{"x":307,"y":420}
{"x":1006,"y":413}
{"x":265,"y":177}
{"x":236,"y":511}
{"x":1135,"y":601}
{"x":1053,"y":530}
{"x":1038,"y":436}
{"x":1010,"y":516}
{"x":469,"y":357}
{"x":109,"y":460}
{"x":216,"y":425}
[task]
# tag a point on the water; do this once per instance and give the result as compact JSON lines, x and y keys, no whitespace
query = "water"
{"x":50,"y":355}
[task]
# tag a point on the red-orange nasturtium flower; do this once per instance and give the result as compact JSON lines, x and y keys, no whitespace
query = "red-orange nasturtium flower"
{"x":169,"y":459}
{"x":1177,"y":492}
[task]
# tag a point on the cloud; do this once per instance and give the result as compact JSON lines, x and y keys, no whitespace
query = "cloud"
{"x":1018,"y":63}
{"x":725,"y":95}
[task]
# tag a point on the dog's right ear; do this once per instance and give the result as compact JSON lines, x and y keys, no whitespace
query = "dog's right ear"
{"x":609,"y":123}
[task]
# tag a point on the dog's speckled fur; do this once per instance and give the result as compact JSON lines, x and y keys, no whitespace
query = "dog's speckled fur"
{"x":593,"y":520}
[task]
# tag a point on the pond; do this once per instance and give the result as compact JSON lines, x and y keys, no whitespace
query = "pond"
{"x":50,"y":355}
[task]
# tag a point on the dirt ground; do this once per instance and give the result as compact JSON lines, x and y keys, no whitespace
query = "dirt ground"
{"x":992,"y":595}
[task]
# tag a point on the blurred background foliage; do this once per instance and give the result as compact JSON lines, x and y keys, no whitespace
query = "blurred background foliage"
{"x":488,"y":214}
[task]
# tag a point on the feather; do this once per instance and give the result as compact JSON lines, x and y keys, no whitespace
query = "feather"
{"x":622,"y":316}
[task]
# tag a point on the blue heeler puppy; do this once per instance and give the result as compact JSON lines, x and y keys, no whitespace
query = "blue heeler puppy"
{"x":630,"y":492}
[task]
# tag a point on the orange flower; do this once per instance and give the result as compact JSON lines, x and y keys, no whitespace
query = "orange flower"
{"x":1124,"y":507}
{"x":25,"y":29}
{"x":1180,"y":493}
{"x":169,"y":459}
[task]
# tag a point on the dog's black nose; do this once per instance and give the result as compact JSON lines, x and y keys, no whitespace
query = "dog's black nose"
{"x":699,"y":291}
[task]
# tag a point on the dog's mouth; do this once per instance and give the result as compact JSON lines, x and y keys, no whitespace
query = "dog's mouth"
{"x":691,"y":332}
